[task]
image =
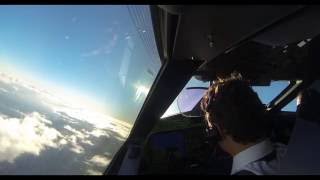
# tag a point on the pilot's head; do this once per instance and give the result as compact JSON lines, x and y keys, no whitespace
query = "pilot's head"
{"x":236,"y":112}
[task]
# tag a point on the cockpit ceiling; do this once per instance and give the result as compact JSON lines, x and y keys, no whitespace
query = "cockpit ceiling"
{"x":206,"y":32}
{"x":261,"y":63}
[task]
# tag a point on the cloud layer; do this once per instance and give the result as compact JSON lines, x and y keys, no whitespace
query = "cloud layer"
{"x":37,"y":126}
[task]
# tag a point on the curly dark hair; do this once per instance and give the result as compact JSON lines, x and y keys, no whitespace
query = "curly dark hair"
{"x":233,"y":105}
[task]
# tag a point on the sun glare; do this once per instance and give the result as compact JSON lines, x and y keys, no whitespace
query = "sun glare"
{"x":141,"y":91}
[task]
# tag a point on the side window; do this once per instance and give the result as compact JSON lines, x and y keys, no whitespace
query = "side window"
{"x":268,"y":93}
{"x":292,"y":106}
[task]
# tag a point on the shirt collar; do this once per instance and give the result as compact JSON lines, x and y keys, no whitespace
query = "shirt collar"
{"x":251,"y":154}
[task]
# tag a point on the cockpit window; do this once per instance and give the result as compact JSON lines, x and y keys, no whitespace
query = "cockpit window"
{"x":72,"y":82}
{"x":194,"y":96}
{"x":268,"y":93}
{"x":265,"y":93}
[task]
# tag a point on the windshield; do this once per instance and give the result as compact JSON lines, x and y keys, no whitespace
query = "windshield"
{"x":72,"y":82}
{"x":194,"y":96}
{"x":265,"y":93}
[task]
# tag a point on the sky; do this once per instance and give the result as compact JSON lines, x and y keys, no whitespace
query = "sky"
{"x":96,"y":52}
{"x":267,"y":93}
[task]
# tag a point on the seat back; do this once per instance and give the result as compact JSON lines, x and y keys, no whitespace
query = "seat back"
{"x":303,"y":150}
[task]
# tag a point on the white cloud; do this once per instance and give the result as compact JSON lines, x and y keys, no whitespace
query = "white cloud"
{"x":99,"y":160}
{"x":107,"y":154}
{"x":30,"y":134}
{"x":15,"y":88}
{"x":63,"y":142}
{"x":101,"y":122}
{"x":6,"y":79}
{"x":4,"y":90}
{"x":87,"y":142}
{"x":98,"y":133}
{"x":93,"y":172}
{"x":78,"y":134}
{"x":77,"y":149}
{"x":76,"y":137}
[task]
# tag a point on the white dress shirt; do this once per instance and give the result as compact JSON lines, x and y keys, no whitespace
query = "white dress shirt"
{"x":249,"y":159}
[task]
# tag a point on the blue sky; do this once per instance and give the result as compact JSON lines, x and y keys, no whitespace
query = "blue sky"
{"x":80,"y":48}
{"x":52,"y":43}
{"x":267,"y":93}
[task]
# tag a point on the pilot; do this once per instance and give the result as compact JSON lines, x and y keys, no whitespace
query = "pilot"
{"x":235,"y":112}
